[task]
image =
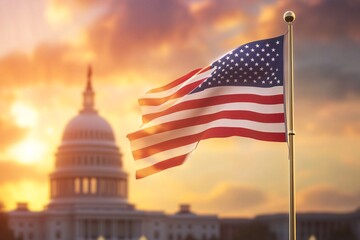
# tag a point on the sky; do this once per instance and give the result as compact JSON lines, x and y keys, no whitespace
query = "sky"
{"x":135,"y":45}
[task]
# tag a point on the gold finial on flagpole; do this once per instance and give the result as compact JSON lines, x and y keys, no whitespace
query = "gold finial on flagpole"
{"x":289,"y":16}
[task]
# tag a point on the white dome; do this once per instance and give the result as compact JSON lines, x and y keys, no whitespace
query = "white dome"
{"x":88,"y":126}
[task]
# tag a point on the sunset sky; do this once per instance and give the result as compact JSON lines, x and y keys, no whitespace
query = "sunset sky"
{"x":136,"y":45}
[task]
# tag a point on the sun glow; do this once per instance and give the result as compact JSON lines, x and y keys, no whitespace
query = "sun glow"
{"x":28,"y":151}
{"x":25,"y":116}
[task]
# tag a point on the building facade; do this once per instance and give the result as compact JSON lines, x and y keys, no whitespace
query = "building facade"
{"x":89,"y":193}
{"x":316,"y":226}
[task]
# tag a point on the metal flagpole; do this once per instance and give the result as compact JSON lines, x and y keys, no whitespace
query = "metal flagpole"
{"x":289,"y":17}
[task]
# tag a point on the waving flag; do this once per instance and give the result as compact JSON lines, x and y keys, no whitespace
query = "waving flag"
{"x":240,"y":94}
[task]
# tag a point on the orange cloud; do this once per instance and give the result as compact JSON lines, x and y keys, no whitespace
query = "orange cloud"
{"x":12,"y":171}
{"x":226,"y":198}
{"x":10,"y":134}
{"x":315,"y":19}
{"x":327,"y":198}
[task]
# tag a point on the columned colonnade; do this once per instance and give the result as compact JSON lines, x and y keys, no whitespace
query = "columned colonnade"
{"x":111,"y":229}
{"x":96,"y":186}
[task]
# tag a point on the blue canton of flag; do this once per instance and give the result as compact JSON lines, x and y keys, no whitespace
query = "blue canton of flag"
{"x":258,"y":64}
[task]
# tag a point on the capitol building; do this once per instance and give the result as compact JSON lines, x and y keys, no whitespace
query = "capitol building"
{"x":89,"y":193}
{"x":89,"y":199}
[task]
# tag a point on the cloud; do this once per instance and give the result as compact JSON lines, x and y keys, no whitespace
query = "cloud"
{"x":317,"y":20}
{"x":12,"y":171}
{"x":330,"y":117}
{"x":10,"y":134}
{"x":327,"y":198}
{"x":227,"y":198}
{"x":47,"y":64}
{"x":143,"y":38}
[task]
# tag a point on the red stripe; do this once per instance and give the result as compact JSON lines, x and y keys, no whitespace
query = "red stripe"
{"x":217,"y":100}
{"x":175,"y":82}
{"x":177,"y":124}
{"x":216,"y":132}
{"x":205,"y":69}
{"x":180,"y":93}
{"x":158,"y":167}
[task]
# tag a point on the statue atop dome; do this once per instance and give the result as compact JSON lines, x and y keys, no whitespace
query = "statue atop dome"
{"x":88,"y":95}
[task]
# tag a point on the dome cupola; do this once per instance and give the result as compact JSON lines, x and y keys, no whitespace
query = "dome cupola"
{"x":88,"y":125}
{"x":88,"y":94}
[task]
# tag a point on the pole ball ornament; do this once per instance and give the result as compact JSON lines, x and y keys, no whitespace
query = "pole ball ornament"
{"x":289,"y":16}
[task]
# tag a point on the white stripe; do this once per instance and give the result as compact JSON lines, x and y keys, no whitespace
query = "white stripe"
{"x":213,"y":92}
{"x":159,"y":157}
{"x":176,"y":88}
{"x":194,"y":112}
{"x":235,"y":123}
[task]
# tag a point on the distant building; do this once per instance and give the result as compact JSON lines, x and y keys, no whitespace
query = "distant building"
{"x":89,"y":191}
{"x":322,"y":226}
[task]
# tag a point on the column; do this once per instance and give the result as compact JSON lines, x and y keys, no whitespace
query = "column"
{"x":130,"y":229}
{"x":81,"y":186}
{"x":121,"y":229}
{"x":137,"y":228}
{"x":125,"y":188}
{"x":78,"y":234}
{"x":126,"y":230}
{"x":85,"y":229}
{"x":98,"y":193}
{"x":52,"y":193}
{"x":89,"y":185}
{"x":113,"y":229}
{"x":101,"y":228}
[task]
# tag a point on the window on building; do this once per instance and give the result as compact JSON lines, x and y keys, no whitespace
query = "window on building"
{"x":54,"y":191}
{"x":77,"y":185}
{"x":85,"y":185}
{"x":93,"y":185}
{"x":118,"y":188}
{"x":123,"y":188}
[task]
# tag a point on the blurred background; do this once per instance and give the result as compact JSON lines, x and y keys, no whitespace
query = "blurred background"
{"x":136,"y":45}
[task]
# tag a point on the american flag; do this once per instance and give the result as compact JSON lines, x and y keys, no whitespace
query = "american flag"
{"x":240,"y":94}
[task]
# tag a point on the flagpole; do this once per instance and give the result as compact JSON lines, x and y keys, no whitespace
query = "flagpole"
{"x":289,"y":17}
